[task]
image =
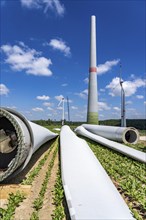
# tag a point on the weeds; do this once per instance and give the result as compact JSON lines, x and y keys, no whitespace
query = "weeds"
{"x":13,"y":202}
{"x":38,"y":202}
{"x":58,"y":213}
{"x":128,"y":174}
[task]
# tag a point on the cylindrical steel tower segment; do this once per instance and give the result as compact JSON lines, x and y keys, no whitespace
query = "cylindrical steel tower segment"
{"x":92,"y":113}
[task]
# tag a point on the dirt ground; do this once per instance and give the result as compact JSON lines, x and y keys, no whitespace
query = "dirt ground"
{"x":24,"y":211}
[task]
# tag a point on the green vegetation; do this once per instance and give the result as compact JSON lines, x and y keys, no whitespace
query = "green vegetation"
{"x":136,"y":123}
{"x":13,"y":201}
{"x":128,"y":175}
{"x":36,"y":170}
{"x":142,"y":132}
{"x":58,"y":213}
{"x":38,"y":202}
{"x":138,"y":146}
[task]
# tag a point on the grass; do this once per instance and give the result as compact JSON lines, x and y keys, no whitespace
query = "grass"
{"x":128,"y":175}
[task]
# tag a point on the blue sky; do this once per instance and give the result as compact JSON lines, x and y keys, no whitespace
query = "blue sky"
{"x":45,"y":56}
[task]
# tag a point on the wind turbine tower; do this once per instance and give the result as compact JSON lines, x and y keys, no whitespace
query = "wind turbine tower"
{"x":123,"y":111}
{"x":92,"y":113}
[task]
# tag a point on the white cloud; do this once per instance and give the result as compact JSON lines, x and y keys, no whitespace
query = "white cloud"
{"x":64,"y":84}
{"x":53,"y":5}
{"x":59,"y":108}
{"x":12,"y":107}
{"x":102,"y":90}
{"x":30,"y":3}
{"x":144,"y":102}
{"x":130,"y":87}
{"x":116,"y":108}
{"x":103,"y":68}
{"x":132,"y":76}
{"x":47,"y":104}
{"x":139,"y":96}
{"x":43,"y":97}
{"x":74,"y":107}
{"x":103,"y":106}
{"x":129,"y":102}
{"x":3,"y":89}
{"x":61,"y":46}
{"x":49,"y":108}
{"x":37,"y":109}
{"x":83,"y":94}
{"x":86,"y":80}
{"x":22,"y":58}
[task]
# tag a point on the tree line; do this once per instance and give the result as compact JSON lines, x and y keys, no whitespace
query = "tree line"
{"x":136,"y":123}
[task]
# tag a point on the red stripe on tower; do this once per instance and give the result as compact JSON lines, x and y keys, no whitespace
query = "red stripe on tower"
{"x":92,"y":69}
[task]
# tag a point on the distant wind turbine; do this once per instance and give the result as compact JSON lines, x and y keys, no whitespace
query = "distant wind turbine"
{"x":62,"y":101}
{"x":123,"y":115}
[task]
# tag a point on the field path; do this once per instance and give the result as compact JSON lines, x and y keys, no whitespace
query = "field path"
{"x":24,"y":211}
{"x":48,"y":207}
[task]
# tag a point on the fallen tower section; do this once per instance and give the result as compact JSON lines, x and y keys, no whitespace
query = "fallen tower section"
{"x":89,"y":191}
{"x":123,"y":149}
{"x":121,"y":134}
{"x":19,"y":139}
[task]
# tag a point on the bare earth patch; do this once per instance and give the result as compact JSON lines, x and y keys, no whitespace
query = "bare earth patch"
{"x":24,"y":211}
{"x":47,"y":209}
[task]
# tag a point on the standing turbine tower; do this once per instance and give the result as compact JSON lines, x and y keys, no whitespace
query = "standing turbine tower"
{"x":92,"y":114}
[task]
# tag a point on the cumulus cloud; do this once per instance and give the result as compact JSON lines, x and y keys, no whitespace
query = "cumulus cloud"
{"x":139,"y":96}
{"x":61,"y":46}
{"x":37,"y":109}
{"x":47,"y":104}
{"x":103,"y":106}
{"x":83,"y":94}
{"x":116,"y":108}
{"x":59,"y":108}
{"x":102,"y":90}
{"x":43,"y":97}
{"x":46,"y":5}
{"x":22,"y":58}
{"x":130,"y":87}
{"x":144,"y":102}
{"x":74,"y":107}
{"x":129,"y":102}
{"x":86,"y":80}
{"x":3,"y":89}
{"x":103,"y":68}
{"x":49,"y":108}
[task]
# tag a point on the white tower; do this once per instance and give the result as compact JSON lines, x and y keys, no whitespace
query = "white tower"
{"x":92,"y":113}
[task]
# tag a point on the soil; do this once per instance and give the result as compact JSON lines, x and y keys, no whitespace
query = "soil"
{"x":47,"y":209}
{"x":24,"y":211}
{"x":27,"y":205}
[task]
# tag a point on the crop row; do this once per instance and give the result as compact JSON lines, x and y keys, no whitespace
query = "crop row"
{"x":13,"y":201}
{"x":58,"y":198}
{"x":35,"y":171}
{"x":38,"y":202}
{"x":129,"y":176}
